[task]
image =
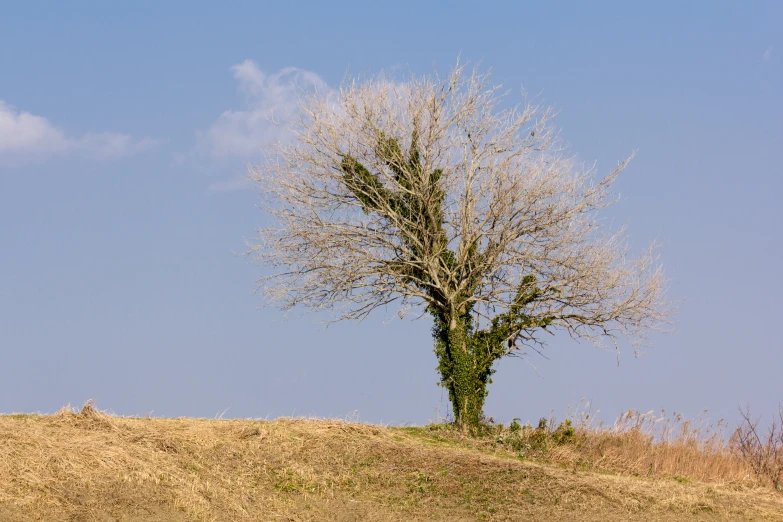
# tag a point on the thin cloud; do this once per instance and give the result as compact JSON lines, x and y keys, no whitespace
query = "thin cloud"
{"x":269,"y":101}
{"x":767,"y":54}
{"x":25,"y":136}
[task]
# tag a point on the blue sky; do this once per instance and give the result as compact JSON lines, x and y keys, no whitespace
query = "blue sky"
{"x":125,"y":130}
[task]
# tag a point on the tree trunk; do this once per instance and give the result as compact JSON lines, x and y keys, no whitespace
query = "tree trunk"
{"x":464,"y":370}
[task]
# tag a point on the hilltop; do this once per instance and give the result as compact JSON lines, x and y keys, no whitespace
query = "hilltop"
{"x":87,"y":465}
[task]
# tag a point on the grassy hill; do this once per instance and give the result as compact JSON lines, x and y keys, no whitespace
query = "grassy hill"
{"x":90,"y":466}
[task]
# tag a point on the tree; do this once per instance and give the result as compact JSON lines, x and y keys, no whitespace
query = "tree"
{"x":429,"y":194}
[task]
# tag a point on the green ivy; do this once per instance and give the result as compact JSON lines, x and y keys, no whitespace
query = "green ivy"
{"x":465,"y":353}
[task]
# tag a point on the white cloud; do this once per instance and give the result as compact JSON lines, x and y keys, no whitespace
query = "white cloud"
{"x":242,"y":133}
{"x":26,"y":136}
{"x":767,"y":54}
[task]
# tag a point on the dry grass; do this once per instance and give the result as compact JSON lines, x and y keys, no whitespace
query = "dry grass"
{"x":646,"y":444}
{"x":636,"y":445}
{"x":91,"y":466}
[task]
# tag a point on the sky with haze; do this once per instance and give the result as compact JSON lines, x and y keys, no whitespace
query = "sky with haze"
{"x":126,"y":130}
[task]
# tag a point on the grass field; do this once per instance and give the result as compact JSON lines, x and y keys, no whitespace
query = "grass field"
{"x":91,"y":466}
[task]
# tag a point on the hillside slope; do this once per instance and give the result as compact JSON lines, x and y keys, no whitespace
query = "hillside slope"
{"x":90,"y":466}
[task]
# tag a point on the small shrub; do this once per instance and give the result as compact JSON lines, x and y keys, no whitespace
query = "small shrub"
{"x":762,"y":451}
{"x":565,"y":433}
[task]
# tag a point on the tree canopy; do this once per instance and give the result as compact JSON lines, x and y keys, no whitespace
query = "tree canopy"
{"x":428,"y":194}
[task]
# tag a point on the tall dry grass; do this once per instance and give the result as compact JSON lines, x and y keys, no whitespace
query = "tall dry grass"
{"x":658,"y":445}
{"x":650,"y":444}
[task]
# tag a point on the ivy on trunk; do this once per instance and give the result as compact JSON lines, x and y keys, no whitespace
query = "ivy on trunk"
{"x":465,"y":353}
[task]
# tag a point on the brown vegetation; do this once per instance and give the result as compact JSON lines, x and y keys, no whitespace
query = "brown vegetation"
{"x":640,"y":444}
{"x":90,"y":466}
{"x":763,"y":451}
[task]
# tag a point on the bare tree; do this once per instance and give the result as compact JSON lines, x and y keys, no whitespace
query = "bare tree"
{"x":428,"y":194}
